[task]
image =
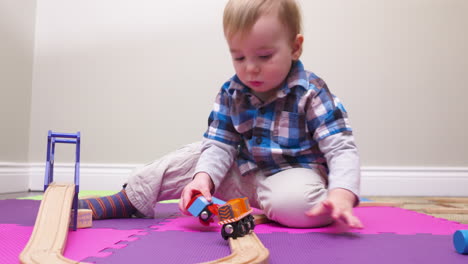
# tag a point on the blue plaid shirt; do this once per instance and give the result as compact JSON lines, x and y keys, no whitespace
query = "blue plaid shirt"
{"x":281,"y":133}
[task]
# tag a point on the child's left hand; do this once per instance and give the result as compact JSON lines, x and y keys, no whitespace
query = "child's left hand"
{"x":339,"y":205}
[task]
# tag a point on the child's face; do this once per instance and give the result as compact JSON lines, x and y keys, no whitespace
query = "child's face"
{"x":262,"y":57}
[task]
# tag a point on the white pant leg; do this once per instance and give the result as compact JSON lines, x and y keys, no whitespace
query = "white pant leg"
{"x":284,"y":197}
{"x":287,"y":195}
{"x":234,"y":185}
{"x":162,"y":179}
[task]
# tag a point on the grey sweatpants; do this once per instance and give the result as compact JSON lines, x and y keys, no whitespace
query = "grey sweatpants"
{"x":284,"y":197}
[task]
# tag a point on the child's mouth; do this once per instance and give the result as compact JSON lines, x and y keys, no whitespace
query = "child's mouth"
{"x":255,"y":83}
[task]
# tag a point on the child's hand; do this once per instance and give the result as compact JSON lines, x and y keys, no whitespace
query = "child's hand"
{"x":201,"y":183}
{"x":339,"y":205}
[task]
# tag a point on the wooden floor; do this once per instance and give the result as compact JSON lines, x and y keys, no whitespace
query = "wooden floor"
{"x":450,"y":208}
{"x":4,"y":196}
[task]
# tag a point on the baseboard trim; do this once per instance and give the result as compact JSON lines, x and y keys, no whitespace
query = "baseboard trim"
{"x":14,"y":177}
{"x":92,"y":176}
{"x":415,"y":181}
{"x":387,"y":181}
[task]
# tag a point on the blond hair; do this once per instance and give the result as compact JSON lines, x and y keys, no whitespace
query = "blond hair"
{"x":241,"y":15}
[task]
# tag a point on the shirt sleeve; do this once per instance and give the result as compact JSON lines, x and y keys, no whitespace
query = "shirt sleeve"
{"x":216,"y":159}
{"x":326,"y":115}
{"x":220,"y":124}
{"x":343,"y":162}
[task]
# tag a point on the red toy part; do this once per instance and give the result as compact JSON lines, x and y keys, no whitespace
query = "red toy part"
{"x":194,"y":197}
{"x":213,"y":208}
{"x":206,"y":222}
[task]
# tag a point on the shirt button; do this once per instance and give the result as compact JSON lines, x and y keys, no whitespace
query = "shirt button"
{"x":258,"y":140}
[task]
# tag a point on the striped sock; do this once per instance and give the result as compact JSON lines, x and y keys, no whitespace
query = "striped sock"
{"x":113,"y":206}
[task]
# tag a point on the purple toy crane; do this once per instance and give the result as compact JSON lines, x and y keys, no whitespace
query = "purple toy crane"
{"x":66,"y":138}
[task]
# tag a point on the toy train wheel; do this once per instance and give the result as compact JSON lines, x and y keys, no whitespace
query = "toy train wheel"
{"x":226,"y":231}
{"x":249,"y":221}
{"x":252,"y":221}
{"x":234,"y":230}
{"x":205,"y":217}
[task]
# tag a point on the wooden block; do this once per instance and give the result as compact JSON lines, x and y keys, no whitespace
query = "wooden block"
{"x":261,"y":219}
{"x":85,"y":218}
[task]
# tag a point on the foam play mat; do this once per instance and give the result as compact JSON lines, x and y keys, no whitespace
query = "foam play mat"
{"x":391,"y":235}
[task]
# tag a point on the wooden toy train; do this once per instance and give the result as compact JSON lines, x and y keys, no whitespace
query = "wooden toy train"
{"x":234,"y":215}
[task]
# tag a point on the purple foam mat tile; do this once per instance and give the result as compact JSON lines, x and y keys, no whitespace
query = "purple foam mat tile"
{"x":166,"y":210}
{"x":105,"y":246}
{"x":360,"y":248}
{"x":24,"y":212}
{"x":169,"y":247}
{"x":126,"y":223}
{"x":192,"y":247}
{"x":20,"y":212}
{"x":376,"y":220}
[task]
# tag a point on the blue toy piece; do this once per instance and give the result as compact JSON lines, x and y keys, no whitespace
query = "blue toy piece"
{"x":217,"y":201}
{"x":201,"y":203}
{"x":460,"y":241}
{"x":198,"y":206}
{"x":66,"y":138}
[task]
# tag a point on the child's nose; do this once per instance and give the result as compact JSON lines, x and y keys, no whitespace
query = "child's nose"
{"x":252,"y":67}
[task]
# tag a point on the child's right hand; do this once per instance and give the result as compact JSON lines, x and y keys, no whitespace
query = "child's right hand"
{"x":201,"y":183}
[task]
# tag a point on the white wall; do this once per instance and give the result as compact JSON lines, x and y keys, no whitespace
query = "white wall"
{"x":138,"y":78}
{"x":401,"y":68}
{"x":16,"y":59}
{"x":16,"y":64}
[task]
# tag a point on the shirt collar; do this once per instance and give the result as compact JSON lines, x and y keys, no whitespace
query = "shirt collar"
{"x":296,"y":77}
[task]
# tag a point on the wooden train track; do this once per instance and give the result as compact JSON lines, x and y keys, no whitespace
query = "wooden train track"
{"x":246,"y":249}
{"x":49,"y":236}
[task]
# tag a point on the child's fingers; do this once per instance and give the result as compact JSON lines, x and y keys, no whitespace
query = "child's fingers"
{"x":184,"y":200}
{"x":328,"y":204}
{"x":354,"y":222}
{"x":207,"y":194}
{"x":349,"y":219}
{"x":182,"y":204}
{"x":315,"y":210}
{"x":322,"y":208}
{"x":337,"y":213}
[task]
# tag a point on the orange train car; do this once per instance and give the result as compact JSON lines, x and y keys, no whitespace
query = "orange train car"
{"x":234,"y":215}
{"x":235,"y":218}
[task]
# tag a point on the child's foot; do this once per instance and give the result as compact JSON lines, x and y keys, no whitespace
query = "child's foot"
{"x":113,"y":206}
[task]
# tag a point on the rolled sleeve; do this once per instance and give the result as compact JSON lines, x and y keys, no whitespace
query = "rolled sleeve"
{"x":216,"y":159}
{"x":343,"y":162}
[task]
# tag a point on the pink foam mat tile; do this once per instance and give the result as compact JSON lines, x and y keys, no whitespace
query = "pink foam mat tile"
{"x":81,"y":244}
{"x":377,"y":220}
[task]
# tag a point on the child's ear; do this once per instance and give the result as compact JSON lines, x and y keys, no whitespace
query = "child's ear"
{"x":297,"y":46}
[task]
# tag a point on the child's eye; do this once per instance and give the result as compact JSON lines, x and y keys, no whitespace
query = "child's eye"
{"x":239,"y":59}
{"x":265,"y":57}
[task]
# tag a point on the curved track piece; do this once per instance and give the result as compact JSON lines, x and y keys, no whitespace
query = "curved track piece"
{"x":246,"y":249}
{"x":49,"y":236}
